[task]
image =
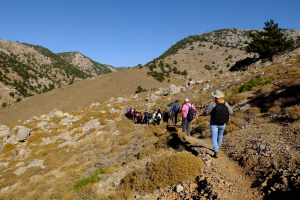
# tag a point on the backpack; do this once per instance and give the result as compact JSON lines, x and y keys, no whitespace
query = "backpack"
{"x":176,"y":107}
{"x":220,"y":113}
{"x":192,"y":113}
{"x":149,"y":115}
{"x":158,"y":116}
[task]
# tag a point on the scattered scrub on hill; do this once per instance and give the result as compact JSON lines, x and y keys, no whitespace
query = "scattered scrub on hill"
{"x":92,"y":179}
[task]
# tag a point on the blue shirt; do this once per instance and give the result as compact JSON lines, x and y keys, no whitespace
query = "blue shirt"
{"x":173,"y":107}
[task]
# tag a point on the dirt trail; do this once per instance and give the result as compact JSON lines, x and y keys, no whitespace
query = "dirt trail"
{"x":225,"y":169}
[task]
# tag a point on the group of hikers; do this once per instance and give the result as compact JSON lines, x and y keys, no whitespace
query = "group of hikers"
{"x":219,"y":112}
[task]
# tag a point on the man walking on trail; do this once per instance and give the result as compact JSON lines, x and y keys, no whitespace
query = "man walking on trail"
{"x":149,"y":120}
{"x":154,"y":117}
{"x":174,"y":110}
{"x":145,"y":119}
{"x":166,"y":115}
{"x":186,"y":122}
{"x":219,"y":112}
{"x":127,"y":112}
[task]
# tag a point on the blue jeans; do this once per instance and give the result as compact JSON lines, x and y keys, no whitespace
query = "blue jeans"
{"x":149,"y":121}
{"x":216,"y":134}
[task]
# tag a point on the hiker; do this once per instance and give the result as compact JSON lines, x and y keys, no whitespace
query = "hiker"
{"x":138,"y":119}
{"x":154,"y":117}
{"x":127,"y":112}
{"x":158,"y":117}
{"x":166,"y":115}
{"x":149,"y":120}
{"x":131,"y":113}
{"x":219,"y":112}
{"x":174,"y":110}
{"x":186,"y":121}
{"x":134,"y":115}
{"x":145,"y":118}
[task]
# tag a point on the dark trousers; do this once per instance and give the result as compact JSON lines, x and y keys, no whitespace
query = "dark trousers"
{"x":174,"y":117}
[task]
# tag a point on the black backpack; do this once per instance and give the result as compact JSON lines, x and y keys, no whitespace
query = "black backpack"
{"x":176,"y":107}
{"x":220,"y":113}
{"x":149,"y":115}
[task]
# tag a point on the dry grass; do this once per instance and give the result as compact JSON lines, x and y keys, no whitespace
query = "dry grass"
{"x":293,"y":112}
{"x":234,"y":99}
{"x":8,"y":147}
{"x":123,"y":140}
{"x":162,"y":172}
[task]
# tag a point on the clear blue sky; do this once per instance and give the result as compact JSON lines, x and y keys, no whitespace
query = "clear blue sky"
{"x":129,"y":32}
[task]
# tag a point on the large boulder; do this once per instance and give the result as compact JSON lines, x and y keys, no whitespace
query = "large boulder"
{"x":120,"y":99}
{"x":56,"y":113}
{"x":152,"y":97}
{"x":191,"y":82}
{"x":206,"y":87}
{"x":23,"y":133}
{"x":198,"y":82}
{"x":4,"y":131}
{"x":173,"y":90}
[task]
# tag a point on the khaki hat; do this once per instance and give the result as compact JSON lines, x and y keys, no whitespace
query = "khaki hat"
{"x":186,"y":100}
{"x":218,"y":94}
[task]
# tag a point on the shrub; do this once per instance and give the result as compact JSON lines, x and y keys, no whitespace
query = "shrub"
{"x":228,"y":65}
{"x":250,"y":84}
{"x":4,"y":104}
{"x":175,"y":62}
{"x":207,"y":67}
{"x":162,"y":172}
{"x":12,"y":94}
{"x":92,"y":179}
{"x":293,"y":112}
{"x":211,"y":46}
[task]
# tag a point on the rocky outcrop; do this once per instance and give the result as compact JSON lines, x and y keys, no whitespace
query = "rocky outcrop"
{"x":173,"y":90}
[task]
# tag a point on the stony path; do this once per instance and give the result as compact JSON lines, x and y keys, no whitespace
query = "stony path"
{"x":223,"y":169}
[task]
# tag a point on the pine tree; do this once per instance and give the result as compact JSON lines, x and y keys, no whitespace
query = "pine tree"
{"x":269,"y":42}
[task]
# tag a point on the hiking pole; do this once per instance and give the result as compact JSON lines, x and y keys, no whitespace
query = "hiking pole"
{"x":232,"y":133}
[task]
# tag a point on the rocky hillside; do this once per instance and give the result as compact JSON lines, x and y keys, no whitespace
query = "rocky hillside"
{"x":95,"y":152}
{"x":207,"y":55}
{"x":30,"y":69}
{"x":86,"y":64}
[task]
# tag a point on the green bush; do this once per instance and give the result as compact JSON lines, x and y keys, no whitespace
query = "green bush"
{"x":92,"y":179}
{"x":253,"y":83}
{"x":4,"y":104}
{"x":12,"y":94}
{"x":207,"y":67}
{"x":18,"y":99}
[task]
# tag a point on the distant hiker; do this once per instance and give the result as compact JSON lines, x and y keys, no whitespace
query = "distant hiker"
{"x":158,"y":117}
{"x":138,"y":117}
{"x":127,"y":112}
{"x":131,"y":113}
{"x":149,"y":120}
{"x":154,"y":117}
{"x":134,"y":115}
{"x":219,"y":112}
{"x":145,"y":119}
{"x":166,"y":115}
{"x":186,"y":118}
{"x":174,"y":110}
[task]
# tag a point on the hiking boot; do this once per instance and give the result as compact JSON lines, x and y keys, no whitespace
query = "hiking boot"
{"x":216,"y":155}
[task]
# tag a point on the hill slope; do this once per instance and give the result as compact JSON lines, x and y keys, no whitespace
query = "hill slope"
{"x":83,"y":93}
{"x":32,"y":69}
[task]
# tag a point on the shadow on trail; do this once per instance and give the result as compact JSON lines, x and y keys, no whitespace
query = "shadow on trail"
{"x":177,"y":141}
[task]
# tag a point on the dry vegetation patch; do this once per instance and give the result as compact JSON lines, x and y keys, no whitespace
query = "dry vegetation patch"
{"x":162,"y":172}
